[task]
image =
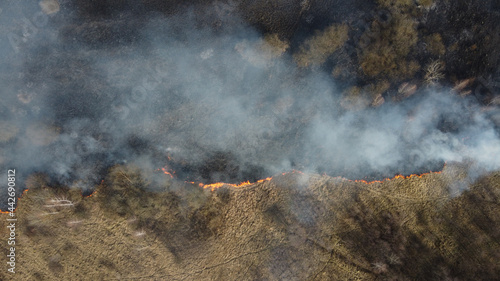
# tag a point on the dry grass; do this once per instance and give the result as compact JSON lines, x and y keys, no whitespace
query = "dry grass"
{"x":296,"y":226}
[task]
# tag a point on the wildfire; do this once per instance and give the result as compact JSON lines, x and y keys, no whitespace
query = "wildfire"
{"x":93,"y":192}
{"x":214,"y":186}
{"x":6,"y":212}
{"x":167,"y":172}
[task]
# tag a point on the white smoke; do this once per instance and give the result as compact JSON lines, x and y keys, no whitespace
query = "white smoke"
{"x":179,"y":90}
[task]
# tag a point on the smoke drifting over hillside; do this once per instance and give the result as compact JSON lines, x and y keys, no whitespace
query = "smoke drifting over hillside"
{"x":211,"y":103}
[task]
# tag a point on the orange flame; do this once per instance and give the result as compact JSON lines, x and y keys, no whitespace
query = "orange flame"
{"x":93,"y":192}
{"x":213,"y":186}
{"x":167,"y":171}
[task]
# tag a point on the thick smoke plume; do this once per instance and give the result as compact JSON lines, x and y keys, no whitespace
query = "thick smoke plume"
{"x":211,"y":103}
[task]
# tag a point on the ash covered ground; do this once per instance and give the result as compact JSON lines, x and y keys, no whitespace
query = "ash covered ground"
{"x":241,"y":90}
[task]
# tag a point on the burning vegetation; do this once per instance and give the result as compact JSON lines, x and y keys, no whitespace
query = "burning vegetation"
{"x":196,"y":132}
{"x":215,"y":100}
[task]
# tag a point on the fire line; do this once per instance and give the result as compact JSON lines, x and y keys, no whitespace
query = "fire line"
{"x":216,"y":185}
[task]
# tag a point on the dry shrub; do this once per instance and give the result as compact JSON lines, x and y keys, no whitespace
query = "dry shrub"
{"x":434,"y":72}
{"x":273,"y":45}
{"x":435,"y":44}
{"x":381,"y":62}
{"x":425,"y":3}
{"x":355,"y":99}
{"x":396,"y":4}
{"x":376,"y":91}
{"x":404,"y":35}
{"x":262,"y":52}
{"x":385,"y":56}
{"x":317,"y":49}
